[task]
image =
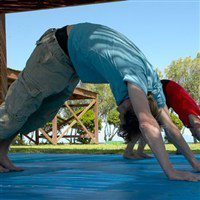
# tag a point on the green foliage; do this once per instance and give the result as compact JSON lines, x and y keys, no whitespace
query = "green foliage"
{"x":113,"y":118}
{"x":88,"y":120}
{"x":106,"y":104}
{"x":160,"y":75}
{"x":112,"y":124}
{"x":106,"y":100}
{"x":186,"y":72}
{"x":18,"y":140}
{"x":176,"y":121}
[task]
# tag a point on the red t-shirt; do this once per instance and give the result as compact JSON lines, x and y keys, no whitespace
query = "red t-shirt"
{"x":180,"y":101}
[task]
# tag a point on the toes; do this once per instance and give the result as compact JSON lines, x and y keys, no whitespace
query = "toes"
{"x":16,"y":169}
{"x":3,"y":170}
{"x":12,"y":168}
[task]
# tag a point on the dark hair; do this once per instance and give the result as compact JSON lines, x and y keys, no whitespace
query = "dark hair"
{"x":131,"y":127}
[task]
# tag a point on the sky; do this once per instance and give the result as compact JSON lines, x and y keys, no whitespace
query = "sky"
{"x":165,"y":30}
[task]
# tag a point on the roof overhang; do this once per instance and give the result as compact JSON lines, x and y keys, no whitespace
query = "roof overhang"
{"x":11,"y":6}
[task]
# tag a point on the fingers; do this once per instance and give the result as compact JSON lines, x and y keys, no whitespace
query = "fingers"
{"x":194,"y":178}
{"x":185,"y":176}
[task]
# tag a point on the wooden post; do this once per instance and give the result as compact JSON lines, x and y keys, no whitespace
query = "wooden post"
{"x":54,"y":130}
{"x":3,"y":63}
{"x":36,"y":137}
{"x":96,"y":133}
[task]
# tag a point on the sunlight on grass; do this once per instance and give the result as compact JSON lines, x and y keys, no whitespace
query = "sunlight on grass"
{"x":89,"y":148}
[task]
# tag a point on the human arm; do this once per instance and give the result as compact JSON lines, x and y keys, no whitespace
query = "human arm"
{"x":177,"y":139}
{"x":152,"y":133}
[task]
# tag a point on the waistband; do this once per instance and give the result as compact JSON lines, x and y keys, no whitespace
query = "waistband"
{"x":59,"y":34}
{"x":62,"y":38}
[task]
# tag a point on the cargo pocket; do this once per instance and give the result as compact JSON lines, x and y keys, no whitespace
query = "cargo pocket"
{"x":23,"y":99}
{"x":46,"y":36}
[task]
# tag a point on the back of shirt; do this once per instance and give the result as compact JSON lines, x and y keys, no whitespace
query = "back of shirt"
{"x":102,"y":55}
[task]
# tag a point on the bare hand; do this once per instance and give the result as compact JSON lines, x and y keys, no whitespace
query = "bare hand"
{"x":183,"y":176}
{"x":197,"y":167}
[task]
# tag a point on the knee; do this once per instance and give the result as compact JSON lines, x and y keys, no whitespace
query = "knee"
{"x":8,"y":125}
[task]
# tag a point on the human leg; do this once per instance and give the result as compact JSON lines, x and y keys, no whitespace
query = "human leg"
{"x":5,"y":163}
{"x":128,"y":153}
{"x":47,"y":111}
{"x":195,"y":126}
{"x":140,"y":151}
{"x":48,"y":72}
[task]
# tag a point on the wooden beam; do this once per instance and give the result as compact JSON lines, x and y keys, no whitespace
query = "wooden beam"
{"x":12,"y":74}
{"x":79,"y":116}
{"x":80,"y":93}
{"x":55,"y":129}
{"x":3,"y":62}
{"x":77,"y":105}
{"x":96,"y":124}
{"x":45,"y":135}
{"x":31,"y":139}
{"x":84,"y":128}
{"x":37,"y":137}
{"x":8,"y":6}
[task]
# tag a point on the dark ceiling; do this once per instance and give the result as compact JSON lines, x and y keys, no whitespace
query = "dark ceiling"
{"x":10,"y":6}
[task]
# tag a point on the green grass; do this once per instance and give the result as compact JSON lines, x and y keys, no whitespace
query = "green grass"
{"x":113,"y":148}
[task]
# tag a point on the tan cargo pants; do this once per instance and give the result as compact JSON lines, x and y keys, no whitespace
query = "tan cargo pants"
{"x":46,"y":82}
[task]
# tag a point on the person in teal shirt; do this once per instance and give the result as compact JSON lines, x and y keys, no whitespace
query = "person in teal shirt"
{"x":102,"y":55}
{"x":91,"y":53}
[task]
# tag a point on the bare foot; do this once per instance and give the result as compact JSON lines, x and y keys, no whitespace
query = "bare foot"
{"x":136,"y":156}
{"x":6,"y":164}
{"x":132,"y":156}
{"x":143,"y":155}
{"x":3,"y":170}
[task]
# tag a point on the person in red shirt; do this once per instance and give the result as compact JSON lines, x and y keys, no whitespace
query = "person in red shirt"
{"x":182,"y":103}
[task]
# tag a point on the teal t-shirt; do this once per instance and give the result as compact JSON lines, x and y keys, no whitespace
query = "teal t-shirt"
{"x":101,"y":55}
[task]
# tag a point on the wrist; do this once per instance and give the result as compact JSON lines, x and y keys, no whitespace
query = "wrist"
{"x":169,"y":171}
{"x":195,"y":164}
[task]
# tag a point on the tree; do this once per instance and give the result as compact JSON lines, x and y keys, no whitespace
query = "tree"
{"x":186,"y":72}
{"x":105,"y":98}
{"x":88,"y":120}
{"x":113,"y":124}
{"x":176,"y":121}
{"x":106,"y":105}
{"x":160,"y":75}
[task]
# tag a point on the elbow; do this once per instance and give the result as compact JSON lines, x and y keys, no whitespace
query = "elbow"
{"x":149,"y":127}
{"x":149,"y":123}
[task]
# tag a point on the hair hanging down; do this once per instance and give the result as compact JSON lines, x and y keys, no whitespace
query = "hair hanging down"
{"x":131,"y":127}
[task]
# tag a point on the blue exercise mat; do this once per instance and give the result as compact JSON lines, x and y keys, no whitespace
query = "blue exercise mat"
{"x":93,"y":177}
